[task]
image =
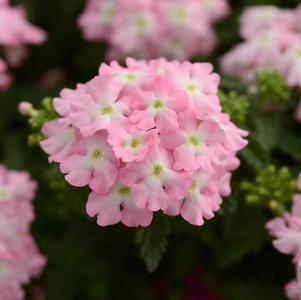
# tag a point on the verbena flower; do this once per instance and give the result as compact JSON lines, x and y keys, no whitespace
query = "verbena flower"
{"x":146,"y":137}
{"x":20,"y":259}
{"x":14,"y":38}
{"x":287,"y":233}
{"x":150,"y":29}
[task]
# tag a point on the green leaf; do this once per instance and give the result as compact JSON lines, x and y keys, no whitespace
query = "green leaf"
{"x":153,"y":242}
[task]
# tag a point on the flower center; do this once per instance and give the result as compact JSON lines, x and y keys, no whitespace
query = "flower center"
{"x":158,"y":104}
{"x":140,"y":23}
{"x":97,"y":154}
{"x":124,"y":190}
{"x":130,"y":77}
{"x":135,"y":143}
{"x":192,"y":88}
{"x":107,"y":110}
{"x":181,"y":14}
{"x":298,"y":53}
{"x":3,"y":194}
{"x":108,"y":13}
{"x":264,"y":38}
{"x":193,"y":186}
{"x":157,"y":170}
{"x":194,"y":140}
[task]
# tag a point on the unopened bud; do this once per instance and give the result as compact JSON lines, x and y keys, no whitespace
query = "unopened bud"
{"x":25,"y":108}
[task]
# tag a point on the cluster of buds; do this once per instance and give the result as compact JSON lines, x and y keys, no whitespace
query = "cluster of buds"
{"x":287,"y":231}
{"x":15,"y":33}
{"x":176,"y":29}
{"x":272,"y":188}
{"x":20,"y":259}
{"x":147,"y":137}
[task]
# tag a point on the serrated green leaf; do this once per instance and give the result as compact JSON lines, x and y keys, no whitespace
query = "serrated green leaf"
{"x":153,"y":242}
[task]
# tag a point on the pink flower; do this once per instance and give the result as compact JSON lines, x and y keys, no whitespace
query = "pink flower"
{"x":131,"y":144}
{"x":199,"y":82}
{"x":98,"y":18}
{"x":15,"y":186}
{"x":157,"y":106}
{"x":94,"y":164}
{"x":202,"y":200}
{"x":290,"y":66}
{"x":215,"y":10}
{"x":263,"y":51}
{"x":60,"y":138}
{"x":192,"y":143}
{"x":154,"y":183}
{"x":117,"y":206}
{"x":14,"y":38}
{"x":271,"y":41}
{"x":149,"y":127}
{"x":287,"y":231}
{"x":100,"y":108}
{"x":20,"y":30}
{"x":178,"y":29}
{"x":293,"y":290}
{"x":264,"y":17}
{"x":20,"y":259}
{"x":130,"y":77}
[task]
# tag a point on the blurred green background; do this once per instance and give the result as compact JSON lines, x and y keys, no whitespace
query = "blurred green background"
{"x":231,"y":254}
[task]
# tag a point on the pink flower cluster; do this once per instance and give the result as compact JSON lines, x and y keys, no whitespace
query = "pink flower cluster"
{"x":272,"y":40}
{"x":287,"y":231}
{"x":149,"y":29}
{"x":146,"y":137}
{"x":20,"y":259}
{"x":15,"y":33}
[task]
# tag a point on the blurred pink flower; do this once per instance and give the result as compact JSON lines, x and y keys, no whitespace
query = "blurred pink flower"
{"x":149,"y":29}
{"x":20,"y":259}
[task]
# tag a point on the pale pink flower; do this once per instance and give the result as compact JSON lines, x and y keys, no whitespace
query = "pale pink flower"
{"x":98,"y":19}
{"x":215,"y":10}
{"x":100,"y":108}
{"x":154,"y":183}
{"x":287,"y":231}
{"x":199,"y":81}
{"x":131,"y":144}
{"x":20,"y":259}
{"x":290,"y":65}
{"x":15,"y":185}
{"x":264,"y":17}
{"x":60,"y":138}
{"x":19,"y":31}
{"x":158,"y":105}
{"x":149,"y":127}
{"x":202,"y":200}
{"x":150,"y":29}
{"x":192,"y":143}
{"x":139,"y":24}
{"x":117,"y":206}
{"x":131,"y":77}
{"x":15,"y":218}
{"x":293,"y":288}
{"x":94,"y":164}
{"x":263,"y":51}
